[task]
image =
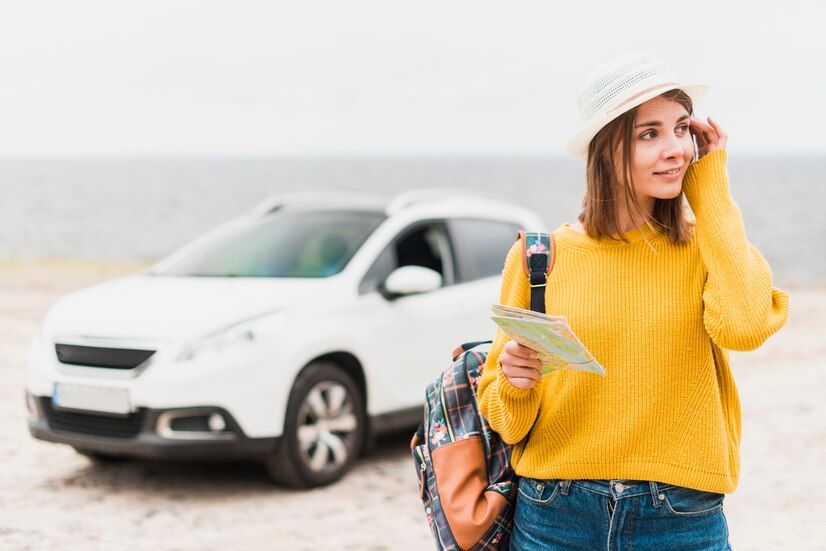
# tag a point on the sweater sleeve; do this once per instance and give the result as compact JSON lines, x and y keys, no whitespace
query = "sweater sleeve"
{"x":741,"y":308}
{"x":510,"y":411}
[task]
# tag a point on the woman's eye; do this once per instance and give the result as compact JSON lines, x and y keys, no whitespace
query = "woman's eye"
{"x":651,"y":134}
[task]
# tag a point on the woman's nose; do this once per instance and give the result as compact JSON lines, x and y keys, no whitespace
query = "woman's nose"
{"x":673,"y":148}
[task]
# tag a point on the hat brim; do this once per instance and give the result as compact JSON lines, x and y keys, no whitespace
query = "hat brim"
{"x":578,"y":145}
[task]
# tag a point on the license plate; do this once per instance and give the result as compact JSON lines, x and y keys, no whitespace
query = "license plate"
{"x":91,"y":398}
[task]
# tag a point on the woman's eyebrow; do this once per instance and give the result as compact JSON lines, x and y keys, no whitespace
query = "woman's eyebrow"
{"x":658,"y":123}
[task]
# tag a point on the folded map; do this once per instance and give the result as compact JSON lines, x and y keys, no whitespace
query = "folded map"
{"x":550,"y":336}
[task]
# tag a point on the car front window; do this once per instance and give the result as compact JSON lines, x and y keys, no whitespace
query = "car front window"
{"x":284,"y":244}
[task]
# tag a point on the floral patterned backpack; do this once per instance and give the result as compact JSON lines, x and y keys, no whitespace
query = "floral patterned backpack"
{"x":466,"y":482}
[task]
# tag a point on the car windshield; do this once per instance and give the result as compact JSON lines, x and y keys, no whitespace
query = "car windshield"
{"x":284,"y":244}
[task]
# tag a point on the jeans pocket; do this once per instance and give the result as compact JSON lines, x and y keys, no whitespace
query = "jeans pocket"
{"x":688,"y":502}
{"x":541,"y":491}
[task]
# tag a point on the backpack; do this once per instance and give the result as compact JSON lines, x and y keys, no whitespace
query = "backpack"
{"x":465,"y":479}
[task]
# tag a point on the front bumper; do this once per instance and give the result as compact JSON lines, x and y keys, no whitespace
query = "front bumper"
{"x":245,"y":383}
{"x":145,"y":433}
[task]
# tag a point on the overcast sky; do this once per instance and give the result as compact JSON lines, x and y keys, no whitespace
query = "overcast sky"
{"x":371,"y":78}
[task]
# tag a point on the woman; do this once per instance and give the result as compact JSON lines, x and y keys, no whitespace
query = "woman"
{"x":640,"y":458}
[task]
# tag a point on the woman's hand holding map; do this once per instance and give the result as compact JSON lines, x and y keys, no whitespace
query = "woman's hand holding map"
{"x":520,"y":365}
{"x":549,"y":337}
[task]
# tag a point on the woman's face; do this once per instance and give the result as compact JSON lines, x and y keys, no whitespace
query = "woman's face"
{"x":662,"y":142}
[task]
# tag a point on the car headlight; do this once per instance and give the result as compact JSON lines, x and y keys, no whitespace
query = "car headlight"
{"x":239,"y":334}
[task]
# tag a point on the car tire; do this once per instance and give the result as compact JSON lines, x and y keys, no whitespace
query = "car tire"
{"x":324,"y":429}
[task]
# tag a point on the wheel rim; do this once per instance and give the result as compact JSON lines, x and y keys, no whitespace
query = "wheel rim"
{"x":327,"y":426}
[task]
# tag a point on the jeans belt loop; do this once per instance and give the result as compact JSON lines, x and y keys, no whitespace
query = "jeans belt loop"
{"x":655,"y":494}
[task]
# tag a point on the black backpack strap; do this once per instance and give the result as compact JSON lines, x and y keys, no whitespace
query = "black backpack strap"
{"x":538,"y":252}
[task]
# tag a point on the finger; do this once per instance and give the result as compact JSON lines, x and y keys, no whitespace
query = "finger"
{"x":525,"y":352}
{"x":515,"y":349}
{"x":522,"y":383}
{"x":522,"y":372}
{"x":511,"y":349}
{"x":709,"y":139}
{"x":712,"y":129}
{"x":701,"y":126}
{"x":720,"y":131}
{"x":518,"y":361}
{"x":704,"y":138}
{"x":702,"y":129}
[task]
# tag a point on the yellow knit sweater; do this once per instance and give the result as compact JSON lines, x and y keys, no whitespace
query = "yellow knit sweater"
{"x":667,"y":409}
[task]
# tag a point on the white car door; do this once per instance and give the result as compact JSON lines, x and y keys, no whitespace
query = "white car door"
{"x":412,"y":337}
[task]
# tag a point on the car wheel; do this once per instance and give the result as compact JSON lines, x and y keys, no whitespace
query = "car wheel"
{"x":324,"y":429}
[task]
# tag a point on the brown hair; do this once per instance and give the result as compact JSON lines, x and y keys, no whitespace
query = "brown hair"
{"x":609,"y":157}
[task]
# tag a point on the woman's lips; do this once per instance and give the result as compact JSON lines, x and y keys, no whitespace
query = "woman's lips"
{"x":669,"y":172}
{"x":670,"y":176}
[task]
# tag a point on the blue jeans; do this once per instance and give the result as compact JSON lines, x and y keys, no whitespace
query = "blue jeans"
{"x":614,"y":515}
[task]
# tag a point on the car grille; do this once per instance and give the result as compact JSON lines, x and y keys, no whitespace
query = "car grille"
{"x":96,"y":424}
{"x":95,"y":356}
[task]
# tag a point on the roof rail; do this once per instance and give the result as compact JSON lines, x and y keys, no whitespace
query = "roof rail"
{"x":407,"y":199}
{"x":321,"y":197}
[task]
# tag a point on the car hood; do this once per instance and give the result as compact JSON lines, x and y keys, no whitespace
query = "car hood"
{"x":174,"y":309}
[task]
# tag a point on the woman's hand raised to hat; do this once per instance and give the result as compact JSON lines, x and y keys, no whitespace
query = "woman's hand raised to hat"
{"x":520,"y":365}
{"x":709,"y":136}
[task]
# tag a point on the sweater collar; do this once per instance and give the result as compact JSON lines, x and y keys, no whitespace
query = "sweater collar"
{"x":568,"y":234}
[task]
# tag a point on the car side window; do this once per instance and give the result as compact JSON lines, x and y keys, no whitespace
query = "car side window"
{"x":482,"y":246}
{"x":418,"y":245}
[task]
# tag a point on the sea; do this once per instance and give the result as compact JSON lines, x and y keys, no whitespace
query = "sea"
{"x":145,"y":208}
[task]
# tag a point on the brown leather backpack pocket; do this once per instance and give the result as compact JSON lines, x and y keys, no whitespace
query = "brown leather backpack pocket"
{"x":468,"y":505}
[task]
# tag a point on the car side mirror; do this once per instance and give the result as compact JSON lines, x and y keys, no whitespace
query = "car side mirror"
{"x":410,"y":280}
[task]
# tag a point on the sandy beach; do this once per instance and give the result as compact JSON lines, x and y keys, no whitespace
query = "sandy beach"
{"x":54,"y":498}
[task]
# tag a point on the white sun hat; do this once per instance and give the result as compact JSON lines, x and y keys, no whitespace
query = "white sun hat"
{"x":619,"y":85}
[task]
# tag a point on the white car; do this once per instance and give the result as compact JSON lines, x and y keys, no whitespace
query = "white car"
{"x":292,"y":335}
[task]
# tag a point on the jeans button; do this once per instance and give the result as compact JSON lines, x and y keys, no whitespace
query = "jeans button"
{"x":619,"y":487}
{"x":540,"y":487}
